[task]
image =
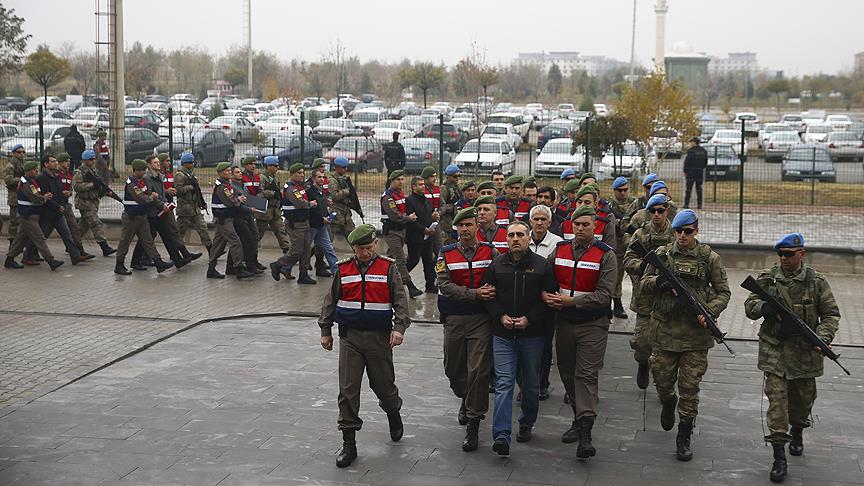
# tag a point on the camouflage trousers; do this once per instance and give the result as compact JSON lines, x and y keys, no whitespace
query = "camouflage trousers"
{"x":789,"y":403}
{"x":90,"y":221}
{"x":186,"y":222}
{"x":686,"y":368}
{"x":642,"y":338}
{"x":13,"y":222}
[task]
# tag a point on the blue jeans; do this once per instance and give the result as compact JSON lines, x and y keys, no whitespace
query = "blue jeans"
{"x":321,"y":238}
{"x":524,"y":354}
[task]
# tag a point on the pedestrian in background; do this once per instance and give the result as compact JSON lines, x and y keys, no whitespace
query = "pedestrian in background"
{"x":695,"y":163}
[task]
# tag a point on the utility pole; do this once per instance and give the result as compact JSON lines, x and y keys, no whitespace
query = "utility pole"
{"x":247,"y":11}
{"x":116,"y":84}
{"x":633,"y":45}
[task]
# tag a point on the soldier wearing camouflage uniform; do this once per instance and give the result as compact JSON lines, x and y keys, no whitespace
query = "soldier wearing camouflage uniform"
{"x":639,"y":217}
{"x":450,"y":194}
{"x":682,"y":341}
{"x":271,"y":220}
{"x":789,"y":361}
{"x":654,"y":234}
{"x":189,"y":204}
{"x":13,"y":174}
{"x":87,"y":196}
{"x":618,"y":206}
{"x":340,"y":194}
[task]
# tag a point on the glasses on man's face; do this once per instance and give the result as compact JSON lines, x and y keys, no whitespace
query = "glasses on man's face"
{"x":686,"y":231}
{"x":786,"y":253}
{"x":656,"y":210}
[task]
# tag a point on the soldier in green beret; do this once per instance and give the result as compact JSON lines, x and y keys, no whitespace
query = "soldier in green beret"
{"x":30,"y":201}
{"x":450,"y":193}
{"x":225,"y":203}
{"x":513,"y":201}
{"x":469,"y":195}
{"x":296,"y":208}
{"x":486,"y":188}
{"x":372,"y":313}
{"x":394,"y":219}
{"x":64,"y":172}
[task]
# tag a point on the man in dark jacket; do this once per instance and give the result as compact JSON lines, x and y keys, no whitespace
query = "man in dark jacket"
{"x":52,"y":216}
{"x":420,"y":233}
{"x":74,"y":145}
{"x":520,"y":323}
{"x":319,"y":221}
{"x":694,"y":171}
{"x":394,"y":154}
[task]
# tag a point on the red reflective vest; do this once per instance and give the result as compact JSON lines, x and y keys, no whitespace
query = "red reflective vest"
{"x":364,"y":298}
{"x":521,"y":209}
{"x":576,"y":277}
{"x":102,"y":149}
{"x":252,"y":182}
{"x":465,"y":273}
{"x":398,"y":198}
{"x":168,"y":180}
{"x":65,"y":177}
{"x":433,"y":195}
{"x":599,"y":226}
{"x":499,"y":241}
{"x":502,"y":216}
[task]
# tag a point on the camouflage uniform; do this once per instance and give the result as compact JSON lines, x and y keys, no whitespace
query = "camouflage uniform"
{"x":619,"y":210}
{"x":14,"y":172}
{"x":87,"y":203}
{"x":640,"y":302}
{"x":340,"y":192}
{"x":640,"y":216}
{"x":188,"y":207}
{"x":450,"y":193}
{"x":680,"y":346}
{"x":789,"y":362}
{"x":271,"y":220}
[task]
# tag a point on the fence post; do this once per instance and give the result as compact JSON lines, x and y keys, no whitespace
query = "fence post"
{"x":440,"y":146}
{"x":741,"y":189}
{"x":171,"y":134}
{"x":41,"y":143}
{"x":356,"y":155}
{"x":587,"y":143}
{"x":192,"y":144}
{"x":530,"y":160}
{"x":302,"y":137}
{"x":813,"y":179}
{"x":273,"y":151}
{"x":715,"y":175}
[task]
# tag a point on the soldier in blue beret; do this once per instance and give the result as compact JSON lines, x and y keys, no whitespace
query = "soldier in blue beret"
{"x":619,"y":206}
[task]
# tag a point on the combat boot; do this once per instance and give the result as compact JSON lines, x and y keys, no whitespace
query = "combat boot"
{"x":136,"y":265}
{"x":181,"y":262}
{"x":84,"y":253}
{"x":682,"y":441}
{"x":779,"y":469}
{"x":667,"y":415}
{"x":189,"y":256}
{"x":275,"y":271}
{"x":78,"y":259}
{"x":394,"y":420}
{"x":213,"y":273}
{"x":642,"y":375}
{"x":120,"y":269}
{"x":11,"y":263}
{"x":349,"y":449}
{"x":241,"y":272}
{"x":572,"y":434}
{"x":585,"y":449}
{"x":107,"y":250}
{"x":54,"y":264}
{"x":472,"y":431}
{"x":618,"y":310}
{"x":796,"y":447}
{"x":413,"y":291}
{"x":306,"y":279}
{"x":161,"y":265}
{"x":462,"y":416}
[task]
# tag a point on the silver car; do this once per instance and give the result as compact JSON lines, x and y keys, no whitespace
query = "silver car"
{"x":845,"y":146}
{"x":778,"y":143}
{"x":238,"y":129}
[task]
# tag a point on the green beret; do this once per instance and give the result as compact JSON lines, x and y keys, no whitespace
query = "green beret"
{"x":583,"y":211}
{"x":295,"y":167}
{"x":513,"y":179}
{"x":162,"y":157}
{"x":250,"y":159}
{"x":428,"y":171}
{"x":467,"y":184}
{"x":222,"y":166}
{"x":318,"y":163}
{"x":396,"y":173}
{"x":469,"y":212}
{"x":486,"y":185}
{"x":528,"y":179}
{"x":571,"y":186}
{"x":587,"y":175}
{"x":362,"y":235}
{"x":100,"y":133}
{"x":30,"y":166}
{"x":62,"y":157}
{"x":589,"y":189}
{"x":484,"y":200}
{"x":139,"y":164}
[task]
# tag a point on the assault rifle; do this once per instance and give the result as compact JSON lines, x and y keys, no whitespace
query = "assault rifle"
{"x":201,"y":203}
{"x":684,"y":294}
{"x":103,"y":188}
{"x":354,"y":201}
{"x":787,"y":315}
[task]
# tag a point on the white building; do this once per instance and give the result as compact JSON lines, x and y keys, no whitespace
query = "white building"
{"x":569,"y":62}
{"x":735,"y":63}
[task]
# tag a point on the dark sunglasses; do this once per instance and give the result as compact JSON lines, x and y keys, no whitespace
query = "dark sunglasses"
{"x":656,"y":210}
{"x":19,"y":152}
{"x":686,"y":231}
{"x":622,"y":190}
{"x":786,"y":253}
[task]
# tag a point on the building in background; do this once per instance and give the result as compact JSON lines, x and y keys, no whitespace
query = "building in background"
{"x":735,"y":63}
{"x":569,"y":62}
{"x":661,"y":8}
{"x":688,"y":66}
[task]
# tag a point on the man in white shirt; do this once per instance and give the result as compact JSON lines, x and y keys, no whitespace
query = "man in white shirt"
{"x":543,"y":243}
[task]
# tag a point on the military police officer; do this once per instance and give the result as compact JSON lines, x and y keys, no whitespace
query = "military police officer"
{"x":87,"y":196}
{"x":190,"y":201}
{"x":394,"y":219}
{"x":271,"y":219}
{"x":14,"y":173}
{"x":225,"y":204}
{"x":295,"y":208}
{"x":30,"y":199}
{"x":341,"y":190}
{"x":450,"y":193}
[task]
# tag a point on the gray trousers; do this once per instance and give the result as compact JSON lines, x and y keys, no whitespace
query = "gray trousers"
{"x":136,"y":226}
{"x":468,"y":360}
{"x":396,"y":250}
{"x":580,"y":349}
{"x":226,"y":236}
{"x":29,"y":231}
{"x":361,"y":350}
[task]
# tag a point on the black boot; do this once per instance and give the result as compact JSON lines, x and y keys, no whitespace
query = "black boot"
{"x":618,"y":310}
{"x":189,"y":256}
{"x":322,"y":272}
{"x":181,"y":262}
{"x":667,"y":415}
{"x":396,"y":428}
{"x":349,"y":449}
{"x":462,"y":417}
{"x":585,"y":449}
{"x":213,"y":273}
{"x":106,"y":250}
{"x":120,"y":269}
{"x":796,"y":447}
{"x":572,"y":434}
{"x":11,"y":263}
{"x":241,"y":272}
{"x":161,"y":265}
{"x":306,"y":279}
{"x":682,"y":441}
{"x":54,"y":264}
{"x":275,"y":271}
{"x":471,"y":432}
{"x":779,"y":469}
{"x":136,"y":265}
{"x":413,"y":291}
{"x":642,"y":376}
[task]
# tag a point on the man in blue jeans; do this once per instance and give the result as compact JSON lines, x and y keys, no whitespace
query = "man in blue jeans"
{"x":520,"y":323}
{"x":319,"y":220}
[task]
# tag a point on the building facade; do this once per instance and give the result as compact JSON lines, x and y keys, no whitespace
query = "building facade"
{"x":735,"y":63}
{"x":569,"y":62}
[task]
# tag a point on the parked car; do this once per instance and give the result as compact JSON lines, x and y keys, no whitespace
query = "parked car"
{"x":723,"y":162}
{"x":521,"y":126}
{"x":838,"y":122}
{"x":468,"y":126}
{"x":330,"y":130}
{"x":793,"y":121}
{"x":769,"y":128}
{"x":53,"y":136}
{"x":502,"y":131}
{"x":629,"y":161}
{"x":287,"y":148}
{"x":730,"y":137}
{"x":556,"y":156}
{"x":413,"y":122}
{"x":280,"y":124}
{"x":600,"y":109}
{"x":667,"y":143}
{"x":210,"y":147}
{"x":181,"y":124}
{"x":806,"y":162}
{"x":141,"y":119}
{"x":159,"y":108}
{"x":751,"y":122}
{"x":8,"y":132}
{"x":363,"y":153}
{"x":383,"y":131}
{"x":486,"y":157}
{"x":155,"y":98}
{"x":816,"y":132}
{"x":91,"y":121}
{"x":454,"y":138}
{"x":564,"y":109}
{"x":15,"y":103}
{"x":420,"y":152}
{"x":140,"y":143}
{"x":549,"y":133}
{"x":49,"y":117}
{"x":52,"y":102}
{"x":239,"y":129}
{"x":367,"y":118}
{"x":845,"y":146}
{"x":779,"y":143}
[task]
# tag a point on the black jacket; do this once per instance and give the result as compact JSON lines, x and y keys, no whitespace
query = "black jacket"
{"x":418,"y":204}
{"x":696,"y":159}
{"x":51,"y":183}
{"x":394,"y":156}
{"x":518,"y":288}
{"x":74,"y":145}
{"x":318,"y":213}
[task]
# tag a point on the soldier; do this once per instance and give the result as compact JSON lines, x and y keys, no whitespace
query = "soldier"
{"x":450,"y":193}
{"x":513,"y":201}
{"x":789,"y":362}
{"x":66,"y":176}
{"x":51,"y":216}
{"x":604,"y":227}
{"x":467,"y":330}
{"x":341,"y":190}
{"x":566,"y":176}
{"x":639,"y":217}
{"x":372,"y":314}
{"x":469,"y":195}
{"x":561,"y":213}
{"x":87,"y":196}
{"x":618,"y":206}
{"x":137,"y":199}
{"x":433,"y":195}
{"x":225,"y":204}
{"x":14,"y":173}
{"x":295,"y":208}
{"x":585,"y":269}
{"x":658,"y":232}
{"x":499,"y":180}
{"x":638,"y":204}
{"x":29,"y":200}
{"x":103,"y":156}
{"x":681,"y":339}
{"x":487,"y":188}
{"x":244,"y":225}
{"x":487,"y":229}
{"x":250,"y":177}
{"x":271,"y":220}
{"x":695,"y":163}
{"x":190,"y":202}
{"x":394,"y":219}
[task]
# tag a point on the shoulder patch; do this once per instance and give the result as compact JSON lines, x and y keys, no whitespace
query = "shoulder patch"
{"x":448,"y":247}
{"x":440,"y":266}
{"x":344,"y":260}
{"x":563,"y":242}
{"x":486,"y":243}
{"x":386,"y":258}
{"x":603,"y":246}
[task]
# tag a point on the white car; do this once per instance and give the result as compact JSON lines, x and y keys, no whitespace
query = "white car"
{"x":730,"y":137}
{"x":383,"y":130}
{"x":794,"y":121}
{"x":751,"y":122}
{"x":845,"y":145}
{"x":564,"y":109}
{"x":600,"y":109}
{"x":52,"y":104}
{"x":769,"y":128}
{"x":183,"y":97}
{"x":91,"y":121}
{"x":279,"y":124}
{"x":520,"y":125}
{"x":182,"y":124}
{"x":502,"y":131}
{"x":483,"y":158}
{"x":629,"y":162}
{"x":816,"y":132}
{"x":556,"y":156}
{"x":838,"y":122}
{"x":367,"y":118}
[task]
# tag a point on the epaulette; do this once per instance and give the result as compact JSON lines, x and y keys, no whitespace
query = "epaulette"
{"x":602,"y":245}
{"x":386,"y":258}
{"x":449,"y":247}
{"x":603,"y":218}
{"x":486,"y":243}
{"x":344,"y":260}
{"x":564,"y":242}
{"x":500,"y":198}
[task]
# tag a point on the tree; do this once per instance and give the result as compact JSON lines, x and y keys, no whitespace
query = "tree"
{"x":317,"y":75}
{"x":605,"y":133}
{"x":487,"y":76}
{"x":141,"y":66}
{"x":46,"y":70}
{"x":423,"y":76}
{"x":84,"y":67}
{"x":13,"y":41}
{"x":193,"y":70}
{"x":554,"y":80}
{"x":777,"y":87}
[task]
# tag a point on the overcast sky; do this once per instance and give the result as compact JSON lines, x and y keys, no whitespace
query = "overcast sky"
{"x":796,"y":36}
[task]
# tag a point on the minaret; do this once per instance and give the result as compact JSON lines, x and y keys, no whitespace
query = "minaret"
{"x":660,"y":10}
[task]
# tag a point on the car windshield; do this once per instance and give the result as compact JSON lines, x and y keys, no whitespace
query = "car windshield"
{"x":631,"y":150}
{"x":789,"y":118}
{"x":388,"y":124}
{"x":367,"y":117}
{"x":727,"y":134}
{"x":567,"y":124}
{"x":227,"y":120}
{"x":665,"y":134}
{"x":496,"y":130}
{"x":720,"y":151}
{"x":330,"y":122}
{"x":840,"y":118}
{"x":565,"y":106}
{"x":818,"y":129}
{"x":31,"y":132}
{"x":485,"y":147}
{"x":842,"y":137}
{"x":281,"y":141}
{"x":557,"y":148}
{"x":744,"y":116}
{"x":784,"y":137}
{"x":503,"y":119}
{"x":809,"y":155}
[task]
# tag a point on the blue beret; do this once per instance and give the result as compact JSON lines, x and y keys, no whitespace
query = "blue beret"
{"x":619,"y":181}
{"x":656,"y":187}
{"x":451,"y":169}
{"x":650,"y":179}
{"x":17,"y":146}
{"x":187,"y":158}
{"x":567,"y":173}
{"x":683,"y":218}
{"x":271,"y":160}
{"x":655,"y":200}
{"x":88,"y":155}
{"x":340,"y":161}
{"x":792,"y":240}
